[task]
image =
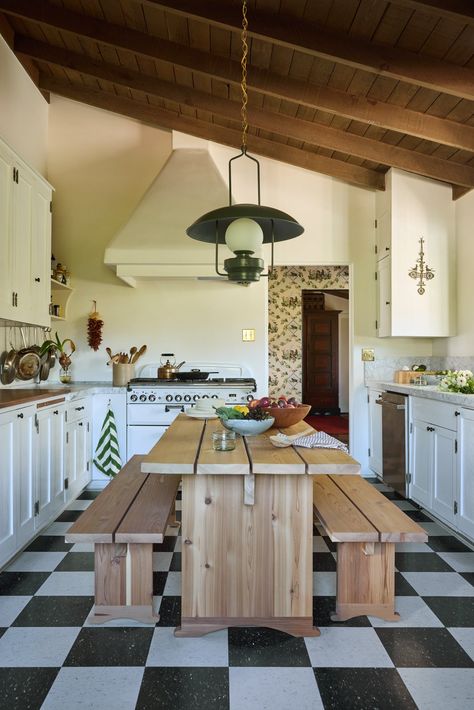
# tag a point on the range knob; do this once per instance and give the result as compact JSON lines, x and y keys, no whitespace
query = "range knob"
{"x":205,"y":396}
{"x":143,"y":398}
{"x":152,"y":398}
{"x":196,"y":397}
{"x":187,"y":397}
{"x":214,"y":396}
{"x":178,"y":398}
{"x":249,"y":397}
{"x":169,"y":397}
{"x":133,"y":397}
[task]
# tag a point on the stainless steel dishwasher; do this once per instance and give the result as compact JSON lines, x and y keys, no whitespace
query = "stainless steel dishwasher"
{"x":394,"y":440}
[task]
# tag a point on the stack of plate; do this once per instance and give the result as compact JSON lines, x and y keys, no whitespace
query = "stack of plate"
{"x":205,"y":409}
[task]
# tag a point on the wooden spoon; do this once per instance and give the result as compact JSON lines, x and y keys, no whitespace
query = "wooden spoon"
{"x":139,"y":353}
{"x":132,"y":353}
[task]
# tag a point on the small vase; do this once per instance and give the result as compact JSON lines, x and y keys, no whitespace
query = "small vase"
{"x":65,"y":375}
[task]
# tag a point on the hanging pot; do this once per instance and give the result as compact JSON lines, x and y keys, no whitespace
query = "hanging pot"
{"x":8,"y":365}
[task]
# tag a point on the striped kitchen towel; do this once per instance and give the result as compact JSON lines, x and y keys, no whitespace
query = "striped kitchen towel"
{"x":320,"y":440}
{"x":107,"y":455}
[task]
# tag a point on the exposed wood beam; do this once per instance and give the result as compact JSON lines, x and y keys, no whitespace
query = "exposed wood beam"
{"x":320,"y":41}
{"x":347,"y":105}
{"x":289,"y":127}
{"x":457,"y":10}
{"x":459,"y":191}
{"x":165,"y":119}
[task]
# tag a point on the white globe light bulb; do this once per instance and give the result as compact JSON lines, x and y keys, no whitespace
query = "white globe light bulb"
{"x":244,"y":235}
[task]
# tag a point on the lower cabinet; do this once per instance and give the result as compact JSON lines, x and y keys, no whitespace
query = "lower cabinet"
{"x":465,"y":477}
{"x":42,"y":447}
{"x":442,"y":462}
{"x":78,"y":447}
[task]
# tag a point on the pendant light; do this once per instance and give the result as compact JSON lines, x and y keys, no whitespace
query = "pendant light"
{"x":244,"y":227}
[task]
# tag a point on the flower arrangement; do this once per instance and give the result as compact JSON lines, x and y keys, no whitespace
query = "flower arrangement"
{"x":458,"y":381}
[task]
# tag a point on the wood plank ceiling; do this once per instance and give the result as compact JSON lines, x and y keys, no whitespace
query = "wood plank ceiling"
{"x":348,"y":88}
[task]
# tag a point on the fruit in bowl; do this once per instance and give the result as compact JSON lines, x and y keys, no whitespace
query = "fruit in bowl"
{"x":247,"y":421}
{"x":285,"y":411}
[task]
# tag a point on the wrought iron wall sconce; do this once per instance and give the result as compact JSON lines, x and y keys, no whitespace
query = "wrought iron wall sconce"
{"x":421,"y":271}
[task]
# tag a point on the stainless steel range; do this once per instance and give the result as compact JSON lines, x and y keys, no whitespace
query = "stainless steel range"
{"x":152,"y":404}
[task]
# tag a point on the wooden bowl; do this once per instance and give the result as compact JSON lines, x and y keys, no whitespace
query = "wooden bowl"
{"x":288,"y":416}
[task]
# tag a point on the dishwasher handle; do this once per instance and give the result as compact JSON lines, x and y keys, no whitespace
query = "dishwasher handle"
{"x":391,"y":405}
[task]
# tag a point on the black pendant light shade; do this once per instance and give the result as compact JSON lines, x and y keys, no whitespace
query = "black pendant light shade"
{"x":277,"y":226}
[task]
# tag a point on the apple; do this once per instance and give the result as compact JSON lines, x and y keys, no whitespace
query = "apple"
{"x":264,"y":402}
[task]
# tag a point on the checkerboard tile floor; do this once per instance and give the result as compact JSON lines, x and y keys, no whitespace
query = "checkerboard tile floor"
{"x":51,"y":658}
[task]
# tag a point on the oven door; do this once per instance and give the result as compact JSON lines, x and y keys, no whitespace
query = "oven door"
{"x":142,"y":438}
{"x":146,"y":424}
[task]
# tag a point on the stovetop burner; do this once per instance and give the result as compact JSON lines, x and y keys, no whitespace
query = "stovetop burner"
{"x":211,"y":382}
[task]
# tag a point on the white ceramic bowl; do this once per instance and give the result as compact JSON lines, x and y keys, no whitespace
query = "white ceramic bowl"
{"x":248,"y":427}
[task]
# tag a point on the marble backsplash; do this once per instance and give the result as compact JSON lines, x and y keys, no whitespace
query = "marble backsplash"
{"x":383,"y":370}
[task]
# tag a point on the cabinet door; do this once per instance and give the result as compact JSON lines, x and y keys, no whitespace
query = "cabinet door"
{"x":465,"y":478}
{"x":383,"y":235}
{"x":50,"y":476}
{"x":443,"y":473}
{"x":40,"y":255}
{"x":8,"y":499}
{"x":6,"y":186}
{"x":384,"y":301}
{"x":78,"y":455}
{"x":25,"y":472}
{"x":375,"y":432}
{"x":420,"y":458}
{"x":22,"y":209}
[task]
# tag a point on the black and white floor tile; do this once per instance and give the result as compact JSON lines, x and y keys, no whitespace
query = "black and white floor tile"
{"x":52,"y":658}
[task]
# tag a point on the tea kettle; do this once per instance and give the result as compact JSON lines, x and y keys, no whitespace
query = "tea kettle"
{"x":167,"y":370}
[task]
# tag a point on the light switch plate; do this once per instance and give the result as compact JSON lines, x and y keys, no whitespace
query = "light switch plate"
{"x":368,"y":354}
{"x":248,"y":335}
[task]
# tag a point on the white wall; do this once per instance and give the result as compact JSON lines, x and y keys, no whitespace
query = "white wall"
{"x":462,"y":344}
{"x":23,"y":112}
{"x":101,"y":165}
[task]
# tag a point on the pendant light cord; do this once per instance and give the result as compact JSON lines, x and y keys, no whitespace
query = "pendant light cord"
{"x":243,"y":84}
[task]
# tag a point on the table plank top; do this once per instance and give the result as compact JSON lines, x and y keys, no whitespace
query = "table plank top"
{"x":186,"y":448}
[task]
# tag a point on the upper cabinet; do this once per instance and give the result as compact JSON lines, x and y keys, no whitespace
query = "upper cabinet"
{"x":410,"y":209}
{"x":25,"y":246}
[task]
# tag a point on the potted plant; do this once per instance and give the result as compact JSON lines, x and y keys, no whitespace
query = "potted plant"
{"x":65,"y":348}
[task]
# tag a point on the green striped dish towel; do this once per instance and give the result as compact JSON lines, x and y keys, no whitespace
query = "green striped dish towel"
{"x":107,"y":455}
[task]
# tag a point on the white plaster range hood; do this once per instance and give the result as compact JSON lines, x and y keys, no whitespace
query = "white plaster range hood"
{"x":153,"y":242}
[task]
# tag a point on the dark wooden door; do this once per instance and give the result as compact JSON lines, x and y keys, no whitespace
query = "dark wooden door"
{"x":321,"y":360}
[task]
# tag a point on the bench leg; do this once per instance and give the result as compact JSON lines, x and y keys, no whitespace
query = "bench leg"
{"x":123,"y":583}
{"x":365,"y":581}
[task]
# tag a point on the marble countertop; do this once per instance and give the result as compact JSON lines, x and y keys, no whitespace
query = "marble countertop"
{"x":425,"y":391}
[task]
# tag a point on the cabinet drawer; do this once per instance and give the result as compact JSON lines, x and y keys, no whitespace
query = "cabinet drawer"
{"x":434,"y":412}
{"x":77,"y":410}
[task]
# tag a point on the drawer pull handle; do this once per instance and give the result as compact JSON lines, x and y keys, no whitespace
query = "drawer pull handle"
{"x":456,"y":413}
{"x":78,"y":409}
{"x":20,"y":416}
{"x":56,"y":411}
{"x":38,"y":280}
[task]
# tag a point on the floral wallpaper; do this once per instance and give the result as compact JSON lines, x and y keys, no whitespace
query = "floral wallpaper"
{"x":285,"y":320}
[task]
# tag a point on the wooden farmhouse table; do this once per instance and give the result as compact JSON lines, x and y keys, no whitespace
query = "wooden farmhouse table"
{"x":247,"y":526}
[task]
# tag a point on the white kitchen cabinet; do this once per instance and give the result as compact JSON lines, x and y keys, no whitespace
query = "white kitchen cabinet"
{"x":465,"y":477}
{"x":50,"y":463}
{"x":433,"y":459}
{"x":375,"y":432}
{"x":418,"y":207}
{"x":117,"y":401}
{"x":78,"y":447}
{"x":25,"y":221}
{"x":17,"y":472}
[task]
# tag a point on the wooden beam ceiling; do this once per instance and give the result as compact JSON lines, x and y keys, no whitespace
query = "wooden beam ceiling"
{"x":318,"y":41}
{"x":457,"y":10}
{"x":351,"y":125}
{"x":351,"y":106}
{"x":308,"y":132}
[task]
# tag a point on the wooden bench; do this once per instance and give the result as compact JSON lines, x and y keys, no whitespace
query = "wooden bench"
{"x":366,"y":526}
{"x":123,"y":522}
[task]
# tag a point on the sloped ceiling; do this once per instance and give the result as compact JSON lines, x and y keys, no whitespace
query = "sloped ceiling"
{"x":348,"y":88}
